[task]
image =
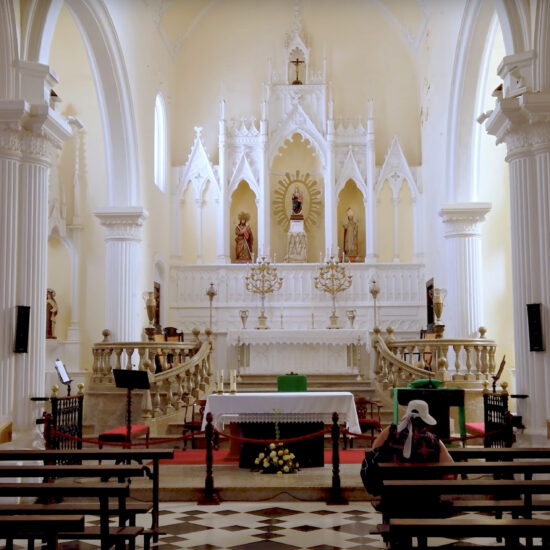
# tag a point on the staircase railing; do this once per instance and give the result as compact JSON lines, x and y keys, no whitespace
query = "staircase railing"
{"x":398,"y":362}
{"x":178,"y":371}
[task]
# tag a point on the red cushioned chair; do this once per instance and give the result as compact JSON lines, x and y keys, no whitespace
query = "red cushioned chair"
{"x":368,"y":413}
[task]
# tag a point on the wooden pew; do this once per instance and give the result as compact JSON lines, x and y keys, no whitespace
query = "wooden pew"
{"x":102,"y":491}
{"x":493,"y":454}
{"x":117,"y":455}
{"x":401,"y":531}
{"x":33,"y":527}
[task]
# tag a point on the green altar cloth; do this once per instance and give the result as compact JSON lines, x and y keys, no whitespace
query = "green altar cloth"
{"x":292,"y":382}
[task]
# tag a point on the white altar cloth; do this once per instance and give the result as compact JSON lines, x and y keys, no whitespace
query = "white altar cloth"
{"x":313,"y":351}
{"x":292,"y":407}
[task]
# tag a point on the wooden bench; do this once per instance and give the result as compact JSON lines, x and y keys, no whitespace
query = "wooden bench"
{"x":400,"y":532}
{"x":38,"y":526}
{"x":499,"y":453}
{"x":103,"y":492}
{"x":116,"y":455}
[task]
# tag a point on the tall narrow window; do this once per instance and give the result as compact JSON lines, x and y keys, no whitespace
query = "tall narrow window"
{"x":160,"y":143}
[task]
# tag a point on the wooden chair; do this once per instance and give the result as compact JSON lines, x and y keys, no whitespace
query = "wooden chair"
{"x":194,"y":424}
{"x":368,"y":413}
{"x":173,"y":334}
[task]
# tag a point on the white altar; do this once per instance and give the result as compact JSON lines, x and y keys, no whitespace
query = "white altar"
{"x":315,"y":351}
{"x":290,"y":407}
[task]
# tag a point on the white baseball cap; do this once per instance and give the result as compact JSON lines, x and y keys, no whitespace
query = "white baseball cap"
{"x":419,"y":409}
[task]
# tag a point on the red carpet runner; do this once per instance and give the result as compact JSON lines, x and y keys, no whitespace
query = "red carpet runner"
{"x":198,"y":456}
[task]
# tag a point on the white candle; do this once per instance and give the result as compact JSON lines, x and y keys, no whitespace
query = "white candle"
{"x":233,"y":374}
{"x":221,"y":382}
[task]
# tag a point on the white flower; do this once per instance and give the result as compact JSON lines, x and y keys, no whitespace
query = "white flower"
{"x":286,"y":469}
{"x":272,"y":445}
{"x":257,"y":461}
{"x":261,"y":455}
{"x":273,"y":454}
{"x":286,"y":458}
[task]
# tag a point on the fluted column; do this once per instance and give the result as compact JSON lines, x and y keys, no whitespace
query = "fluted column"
{"x":123,"y":267}
{"x":29,"y":135}
{"x":463,"y":313}
{"x":9,"y":176}
{"x":522,"y":123}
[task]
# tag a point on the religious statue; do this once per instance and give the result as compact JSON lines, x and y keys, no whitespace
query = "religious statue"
{"x":243,"y":239}
{"x":51,"y":314}
{"x":351,"y":234}
{"x":297,"y":201}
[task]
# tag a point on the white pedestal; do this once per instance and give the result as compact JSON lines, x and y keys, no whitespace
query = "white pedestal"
{"x":296,"y":242}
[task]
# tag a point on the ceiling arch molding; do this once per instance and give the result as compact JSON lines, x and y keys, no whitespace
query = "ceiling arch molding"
{"x":112,"y":85}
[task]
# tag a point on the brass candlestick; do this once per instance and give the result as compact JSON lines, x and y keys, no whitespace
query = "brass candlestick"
{"x":211,"y":292}
{"x":263,"y":280}
{"x":332,"y":278}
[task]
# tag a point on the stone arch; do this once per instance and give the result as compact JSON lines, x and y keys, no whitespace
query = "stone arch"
{"x":112,"y":86}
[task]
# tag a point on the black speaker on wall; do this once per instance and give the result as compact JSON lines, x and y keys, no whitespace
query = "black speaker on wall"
{"x":22,"y":329}
{"x":534,"y":320}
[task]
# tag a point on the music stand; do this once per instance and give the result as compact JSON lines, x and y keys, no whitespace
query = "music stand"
{"x":131,"y":380}
{"x":63,"y":375}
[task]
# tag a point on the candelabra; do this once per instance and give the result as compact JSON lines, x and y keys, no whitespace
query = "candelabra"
{"x":263,"y":280}
{"x":332,"y":278}
{"x":211,"y":292}
{"x":374,"y":290}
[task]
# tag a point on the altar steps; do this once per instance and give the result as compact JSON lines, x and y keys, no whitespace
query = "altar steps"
{"x":315,"y":382}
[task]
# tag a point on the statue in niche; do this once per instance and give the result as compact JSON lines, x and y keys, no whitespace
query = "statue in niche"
{"x":351,"y":236}
{"x":51,"y":314}
{"x":244,"y":239}
{"x":297,"y":202}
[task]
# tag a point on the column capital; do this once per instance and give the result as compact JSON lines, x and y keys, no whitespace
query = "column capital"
{"x":522,"y":123}
{"x":464,"y":219}
{"x":31,"y":129}
{"x":122,"y":224}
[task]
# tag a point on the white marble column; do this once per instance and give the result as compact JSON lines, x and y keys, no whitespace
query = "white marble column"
{"x":9,"y":177}
{"x":463,"y":311}
{"x":522,"y":123}
{"x":29,"y":135}
{"x":123,"y":267}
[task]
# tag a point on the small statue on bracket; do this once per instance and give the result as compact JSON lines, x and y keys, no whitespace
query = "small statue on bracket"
{"x":51,"y":314}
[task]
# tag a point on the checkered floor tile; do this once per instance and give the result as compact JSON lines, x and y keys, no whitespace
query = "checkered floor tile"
{"x":268,"y":526}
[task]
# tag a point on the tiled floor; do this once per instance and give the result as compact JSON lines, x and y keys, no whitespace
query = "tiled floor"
{"x":270,"y":526}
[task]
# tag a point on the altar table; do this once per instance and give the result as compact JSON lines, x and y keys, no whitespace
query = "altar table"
{"x":304,"y":351}
{"x":297,"y":413}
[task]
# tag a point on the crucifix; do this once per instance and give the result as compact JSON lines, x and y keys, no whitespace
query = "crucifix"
{"x":297,"y":62}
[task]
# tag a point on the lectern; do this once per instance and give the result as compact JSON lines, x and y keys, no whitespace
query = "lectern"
{"x":131,"y":380}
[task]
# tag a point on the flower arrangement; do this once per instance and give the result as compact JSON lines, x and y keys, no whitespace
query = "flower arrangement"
{"x":276,"y":460}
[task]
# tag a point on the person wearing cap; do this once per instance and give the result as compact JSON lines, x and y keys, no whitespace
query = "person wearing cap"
{"x":411,"y":440}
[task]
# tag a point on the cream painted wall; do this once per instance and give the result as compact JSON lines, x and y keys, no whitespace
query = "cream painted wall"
{"x":77,"y":91}
{"x":151,"y":70}
{"x":225,"y":54}
{"x":405,"y":228}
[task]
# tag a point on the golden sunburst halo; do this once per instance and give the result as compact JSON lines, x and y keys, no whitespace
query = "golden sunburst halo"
{"x":282,"y":199}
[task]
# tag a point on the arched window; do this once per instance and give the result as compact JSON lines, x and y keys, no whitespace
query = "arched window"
{"x":160,"y":143}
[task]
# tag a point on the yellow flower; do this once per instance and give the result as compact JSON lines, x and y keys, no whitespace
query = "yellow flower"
{"x":272,"y":445}
{"x":261,"y":455}
{"x":257,"y":461}
{"x":281,"y":462}
{"x":280,"y":473}
{"x":286,"y":469}
{"x":280,"y":453}
{"x":273,"y":454}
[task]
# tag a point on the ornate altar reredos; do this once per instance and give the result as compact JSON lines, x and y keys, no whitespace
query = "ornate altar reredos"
{"x":298,"y":145}
{"x":298,"y":173}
